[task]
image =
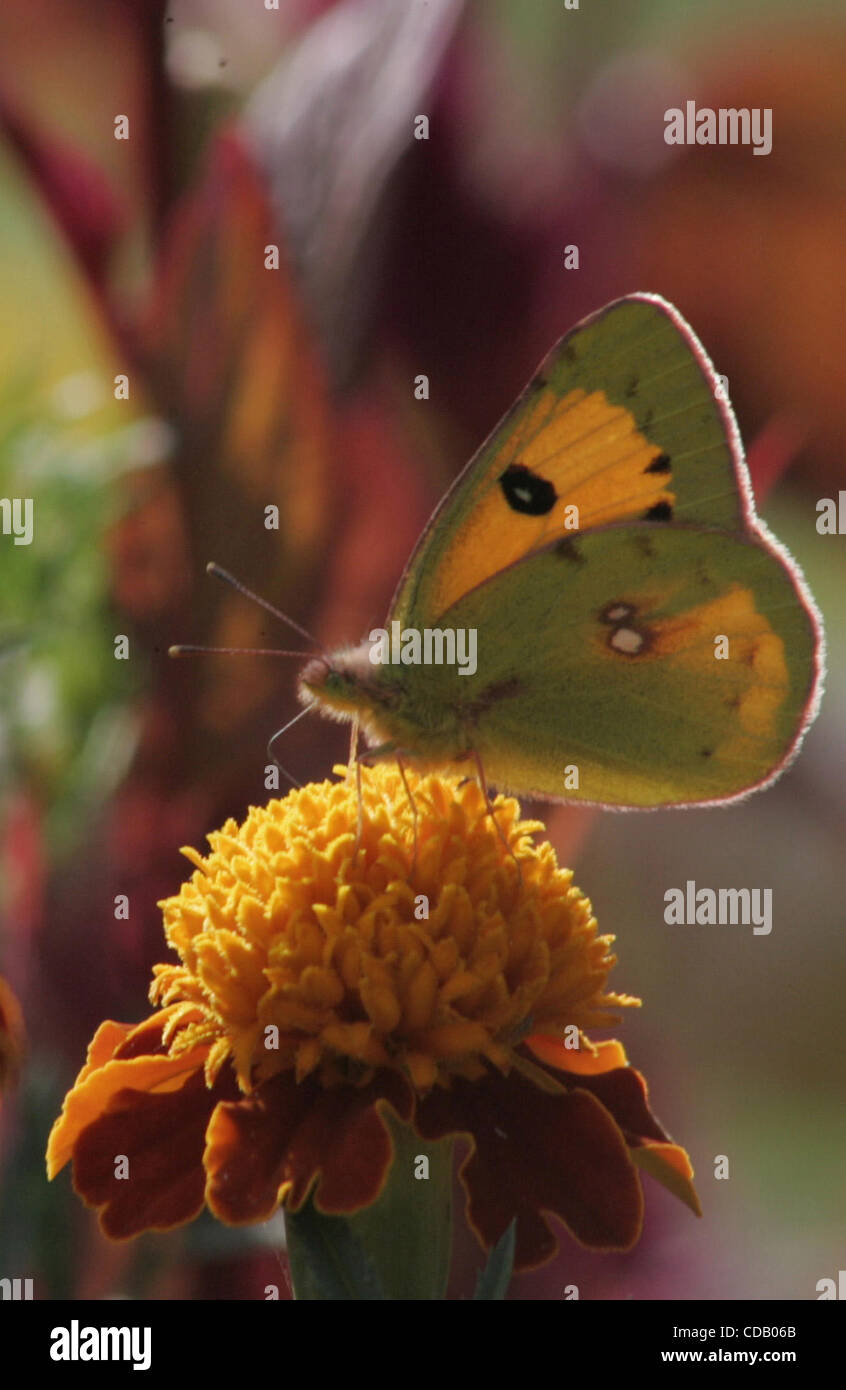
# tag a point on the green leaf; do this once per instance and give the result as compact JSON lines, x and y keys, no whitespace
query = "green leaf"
{"x":496,"y":1276}
{"x":327,"y":1260}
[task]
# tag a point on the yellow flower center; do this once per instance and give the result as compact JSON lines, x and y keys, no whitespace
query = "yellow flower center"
{"x":316,"y":936}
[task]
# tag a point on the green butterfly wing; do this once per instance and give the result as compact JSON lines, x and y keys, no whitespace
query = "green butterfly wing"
{"x":642,"y":640}
{"x":620,"y":422}
{"x":666,"y":665}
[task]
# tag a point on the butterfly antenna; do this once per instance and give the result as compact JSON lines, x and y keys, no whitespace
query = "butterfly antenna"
{"x":220,"y":573}
{"x":189,"y":649}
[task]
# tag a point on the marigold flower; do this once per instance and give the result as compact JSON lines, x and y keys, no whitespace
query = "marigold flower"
{"x":343,"y":959}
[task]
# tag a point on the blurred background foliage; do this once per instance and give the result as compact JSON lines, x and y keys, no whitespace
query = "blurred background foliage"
{"x":294,"y":389}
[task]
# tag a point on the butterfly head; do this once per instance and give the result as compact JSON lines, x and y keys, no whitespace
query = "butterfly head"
{"x":340,"y":683}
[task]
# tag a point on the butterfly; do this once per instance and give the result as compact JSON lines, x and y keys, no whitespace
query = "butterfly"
{"x":640,"y":639}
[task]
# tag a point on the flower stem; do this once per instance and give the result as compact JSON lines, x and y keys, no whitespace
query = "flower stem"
{"x":399,"y":1248}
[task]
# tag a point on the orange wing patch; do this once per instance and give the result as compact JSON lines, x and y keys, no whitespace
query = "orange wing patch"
{"x":756,"y":664}
{"x":570,"y":464}
{"x":752,"y":669}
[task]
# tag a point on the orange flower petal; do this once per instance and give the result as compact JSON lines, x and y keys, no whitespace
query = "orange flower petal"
{"x":145,"y":1038}
{"x":277,"y":1144}
{"x":579,"y":1060}
{"x":103,"y":1046}
{"x":96,"y":1085}
{"x":669,"y":1165}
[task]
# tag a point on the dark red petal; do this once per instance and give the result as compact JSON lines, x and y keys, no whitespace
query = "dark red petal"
{"x":162,"y":1134}
{"x":624,"y":1095}
{"x":623,"y":1092}
{"x":274,"y":1145}
{"x":534,"y":1152}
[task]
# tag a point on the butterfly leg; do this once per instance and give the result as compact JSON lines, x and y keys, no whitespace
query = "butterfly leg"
{"x":359,"y":822}
{"x":353,"y":762}
{"x":489,"y":804}
{"x":353,"y":753}
{"x":387,"y":750}
{"x":413,"y":804}
{"x":358,"y":759}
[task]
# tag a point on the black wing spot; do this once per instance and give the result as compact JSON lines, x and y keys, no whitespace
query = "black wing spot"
{"x":662,"y":511}
{"x":568,"y":550}
{"x":706,"y":752}
{"x":662,"y":464}
{"x":526,"y":491}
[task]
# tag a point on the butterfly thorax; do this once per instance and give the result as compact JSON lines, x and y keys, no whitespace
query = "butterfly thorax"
{"x":391,"y":709}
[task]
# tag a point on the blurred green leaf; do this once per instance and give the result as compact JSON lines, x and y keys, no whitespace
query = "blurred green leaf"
{"x":327,"y":1261}
{"x":496,"y":1276}
{"x":65,"y":729}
